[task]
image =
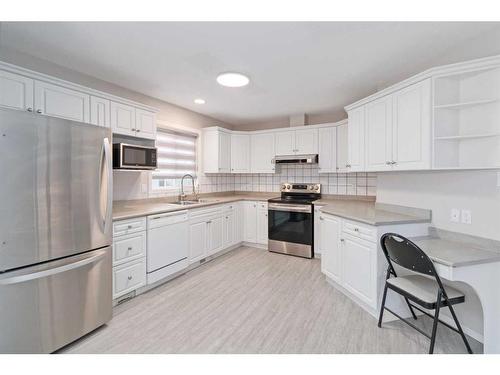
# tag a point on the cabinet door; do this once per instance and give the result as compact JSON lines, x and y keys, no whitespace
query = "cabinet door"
{"x":329,"y":242}
{"x":57,"y":101}
{"x":285,"y":143}
{"x":197,"y":241}
{"x":317,"y":230}
{"x":210,"y":151}
{"x":327,"y":150}
{"x":262,"y":153}
{"x":359,"y":269}
{"x":240,"y":153}
{"x":306,"y":141}
{"x":379,"y":134}
{"x":100,"y":111}
{"x":250,"y":222}
{"x":356,"y":140}
{"x":123,"y":119}
{"x":224,"y":152}
{"x":145,"y":124}
{"x":228,"y":230}
{"x":342,"y":147}
{"x":239,"y":221}
{"x":16,"y":92}
{"x":215,"y":239}
{"x":411,"y":141}
{"x":262,"y":227}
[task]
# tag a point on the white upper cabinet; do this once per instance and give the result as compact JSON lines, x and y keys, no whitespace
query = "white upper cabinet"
{"x":145,"y":124}
{"x":285,"y":143}
{"x":356,"y":140}
{"x":378,"y":134}
{"x":342,"y":148}
{"x":327,"y":150}
{"x":262,"y":153}
{"x":306,"y":141}
{"x":240,"y":153}
{"x":16,"y":91}
{"x":411,"y":134}
{"x":216,"y":151}
{"x":123,"y":119}
{"x":100,"y":111}
{"x":57,"y":101}
{"x":303,"y":141}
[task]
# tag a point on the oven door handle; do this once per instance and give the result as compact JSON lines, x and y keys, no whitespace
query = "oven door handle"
{"x":289,"y":207}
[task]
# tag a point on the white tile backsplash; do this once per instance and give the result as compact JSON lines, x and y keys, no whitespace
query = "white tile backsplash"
{"x":127,"y":185}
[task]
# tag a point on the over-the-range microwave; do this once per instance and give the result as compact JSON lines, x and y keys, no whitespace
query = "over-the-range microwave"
{"x":127,"y":156}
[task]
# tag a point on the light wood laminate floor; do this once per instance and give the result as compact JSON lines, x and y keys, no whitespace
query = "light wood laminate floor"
{"x":253,"y":301}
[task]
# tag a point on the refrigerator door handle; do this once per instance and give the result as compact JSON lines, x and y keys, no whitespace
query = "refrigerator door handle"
{"x":104,"y":184}
{"x":69,"y":264}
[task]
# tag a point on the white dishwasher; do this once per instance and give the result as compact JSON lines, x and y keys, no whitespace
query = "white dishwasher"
{"x":168,"y":245}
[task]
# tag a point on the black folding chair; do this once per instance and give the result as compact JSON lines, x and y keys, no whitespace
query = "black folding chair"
{"x":427,"y":291}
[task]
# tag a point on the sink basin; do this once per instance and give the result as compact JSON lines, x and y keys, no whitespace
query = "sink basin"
{"x":189,"y":202}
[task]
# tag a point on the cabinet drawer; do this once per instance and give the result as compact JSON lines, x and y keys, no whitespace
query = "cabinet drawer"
{"x":230,"y":207}
{"x":201,"y":212}
{"x":128,"y":277}
{"x":358,"y":230}
{"x":129,"y":247}
{"x":129,"y":226}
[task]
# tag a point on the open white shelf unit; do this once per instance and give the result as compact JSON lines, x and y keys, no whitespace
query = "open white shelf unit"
{"x":467,"y":119}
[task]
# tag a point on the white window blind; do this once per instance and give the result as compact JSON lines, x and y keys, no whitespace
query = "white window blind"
{"x":176,"y":155}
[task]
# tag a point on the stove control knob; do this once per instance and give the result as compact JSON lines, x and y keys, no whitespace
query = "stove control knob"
{"x":316,"y":187}
{"x":288,"y":186}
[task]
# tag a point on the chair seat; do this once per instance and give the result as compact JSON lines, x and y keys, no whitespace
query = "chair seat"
{"x":423,"y":290}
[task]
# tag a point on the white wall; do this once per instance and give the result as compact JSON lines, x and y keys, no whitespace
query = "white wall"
{"x":441,"y":191}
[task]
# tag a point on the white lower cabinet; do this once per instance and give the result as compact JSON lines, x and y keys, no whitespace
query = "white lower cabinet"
{"x":351,"y":256}
{"x":129,"y":255}
{"x":214,"y":231}
{"x":359,"y":268}
{"x":255,"y":222}
{"x":330,"y":245}
{"x":197,"y":240}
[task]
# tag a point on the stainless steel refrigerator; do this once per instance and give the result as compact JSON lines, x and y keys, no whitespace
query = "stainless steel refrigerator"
{"x":55,"y":231}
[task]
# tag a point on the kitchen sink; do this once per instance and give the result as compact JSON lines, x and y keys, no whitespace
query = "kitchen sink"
{"x":198,"y":201}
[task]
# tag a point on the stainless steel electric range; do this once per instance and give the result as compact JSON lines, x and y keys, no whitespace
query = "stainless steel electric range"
{"x":291,"y":220}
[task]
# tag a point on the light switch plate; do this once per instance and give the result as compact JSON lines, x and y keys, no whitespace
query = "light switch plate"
{"x":466,"y":217}
{"x":455,"y":215}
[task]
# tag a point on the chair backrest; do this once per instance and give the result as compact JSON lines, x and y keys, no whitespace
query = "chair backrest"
{"x":405,"y":253}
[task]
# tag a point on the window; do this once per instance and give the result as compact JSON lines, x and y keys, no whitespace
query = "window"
{"x":176,"y":157}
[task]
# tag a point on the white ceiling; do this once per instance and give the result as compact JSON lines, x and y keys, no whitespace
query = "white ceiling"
{"x":314,"y":68}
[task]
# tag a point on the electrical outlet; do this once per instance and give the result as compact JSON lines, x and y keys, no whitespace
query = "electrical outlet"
{"x":466,"y":217}
{"x":455,"y":215}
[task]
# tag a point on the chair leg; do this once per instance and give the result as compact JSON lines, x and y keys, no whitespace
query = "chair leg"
{"x":459,"y":327}
{"x":435,"y":325}
{"x":382,"y":307}
{"x":411,"y":309}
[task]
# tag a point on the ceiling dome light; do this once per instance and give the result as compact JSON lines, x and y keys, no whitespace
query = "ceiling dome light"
{"x":199,"y":101}
{"x":231,"y":79}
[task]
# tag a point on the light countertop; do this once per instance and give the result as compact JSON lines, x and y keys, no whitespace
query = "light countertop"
{"x":373,"y":213}
{"x":457,"y":253}
{"x":144,"y":207}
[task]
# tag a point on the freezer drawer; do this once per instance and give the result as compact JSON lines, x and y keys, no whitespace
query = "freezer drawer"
{"x":45,"y":307}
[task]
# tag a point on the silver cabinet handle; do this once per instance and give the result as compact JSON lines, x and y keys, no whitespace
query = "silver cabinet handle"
{"x":129,"y":249}
{"x":342,"y":240}
{"x":130,"y":277}
{"x":209,"y":222}
{"x":133,"y":130}
{"x":138,"y":130}
{"x":393,"y":162}
{"x":356,"y":229}
{"x":388,"y":163}
{"x":348,"y":165}
{"x":321,"y":219}
{"x":29,"y":109}
{"x":38,"y":111}
{"x":129,"y":226}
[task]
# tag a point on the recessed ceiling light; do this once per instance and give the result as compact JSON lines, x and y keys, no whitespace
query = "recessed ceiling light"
{"x":232,"y":79}
{"x":199,"y":101}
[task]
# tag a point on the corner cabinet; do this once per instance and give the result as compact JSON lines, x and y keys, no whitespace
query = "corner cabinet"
{"x":240,"y":153}
{"x":216,"y":150}
{"x":262,"y":151}
{"x":356,"y":140}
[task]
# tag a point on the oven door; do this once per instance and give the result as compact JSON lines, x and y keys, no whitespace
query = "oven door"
{"x":290,"y":229}
{"x":137,"y":157}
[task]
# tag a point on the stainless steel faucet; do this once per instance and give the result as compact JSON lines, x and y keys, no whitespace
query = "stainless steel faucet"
{"x":183,"y":195}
